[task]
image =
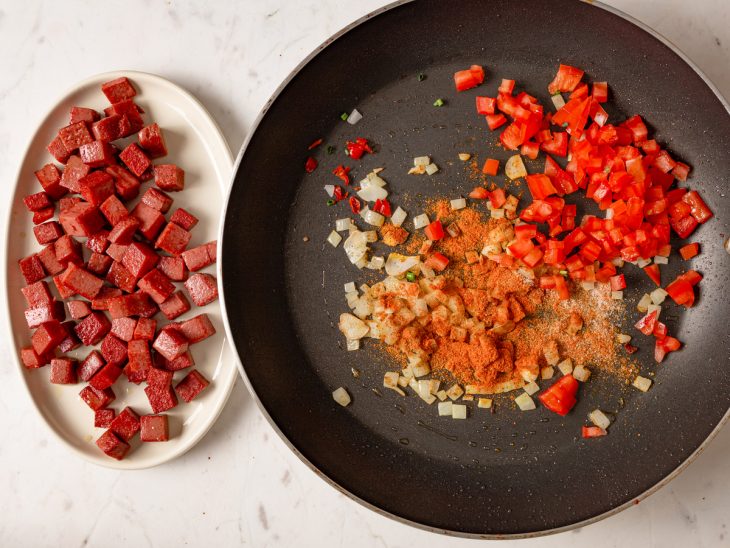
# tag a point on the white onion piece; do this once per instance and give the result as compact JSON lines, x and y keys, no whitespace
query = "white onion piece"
{"x":371,"y":193}
{"x":431,"y":169}
{"x":581,"y":373}
{"x":547,"y":372}
{"x":658,"y":295}
{"x":644,"y":303}
{"x":350,"y":287}
{"x":661,"y":260}
{"x":334,"y":239}
{"x":427,"y":271}
{"x":642,"y":383}
{"x":356,"y":246}
{"x":455,"y":392}
{"x":362,"y":263}
{"x":484,"y":403}
{"x":353,"y":344}
{"x":343,"y":224}
{"x":525,"y":402}
{"x":531,"y":388}
{"x":376,"y":263}
{"x":458,"y":411}
{"x":421,"y":161}
{"x":352,"y":327}
{"x":330,"y":190}
{"x":421,"y":370}
{"x":445,"y":409}
{"x":515,"y":167}
{"x":464,"y":156}
{"x":558,"y":101}
{"x":398,"y":264}
{"x":402,"y":382}
{"x":566,"y":366}
{"x":419,"y":221}
{"x":641,"y":263}
{"x":498,"y":213}
{"x":599,"y":418}
{"x":373,"y":218}
{"x":390,"y":380}
{"x":623,"y":338}
{"x":588,"y":285}
{"x":354,"y":117}
{"x":373,"y":178}
{"x":458,"y":203}
{"x":617,"y":295}
{"x":341,"y":396}
{"x":371,"y":236}
{"x":609,"y":213}
{"x":398,"y":217}
{"x":441,"y":395}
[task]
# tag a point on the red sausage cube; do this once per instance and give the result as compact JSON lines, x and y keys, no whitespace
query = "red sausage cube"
{"x":91,"y":365}
{"x":202,"y":288}
{"x":97,"y":154}
{"x":161,"y":398}
{"x":170,"y":344}
{"x":139,"y":259}
{"x":64,"y":291}
{"x":67,"y":250}
{"x":50,"y":179}
{"x":135,"y":159}
{"x":103,"y":418}
{"x":47,"y":232}
{"x":97,"y":399}
{"x":140,"y":361}
{"x":102,"y":300}
{"x":63,"y":371}
{"x":152,"y":141}
{"x":150,"y":220}
{"x":184,"y":218}
{"x":157,"y":199}
{"x":173,"y":268}
{"x":169,"y":177}
{"x":117,"y":251}
{"x":37,"y":294}
{"x":112,"y":446}
{"x":175,"y":305}
{"x":124,"y":230}
{"x":181,"y":362}
{"x":32,"y":269}
{"x":107,"y":129}
{"x":98,"y":242}
{"x":113,"y":209}
{"x":51,"y":264}
{"x":81,"y":281}
{"x":199,"y":257}
{"x":118,"y":89}
{"x":83,"y":114}
{"x":46,"y":312}
{"x":67,"y":202}
{"x":82,"y":219}
{"x":154,"y":428}
{"x":126,"y":424}
{"x":43,"y":215}
{"x":131,"y":121}
{"x":136,"y":304}
{"x":173,"y":239}
{"x":126,"y":184}
{"x":37,"y":201}
{"x":75,"y":170}
{"x":192,"y":385}
{"x":156,"y":285}
{"x":106,"y":377}
{"x":31,"y":359}
{"x":48,"y":336}
{"x":58,"y":150}
{"x":114,"y":350}
{"x":93,"y":328}
{"x":123,"y":328}
{"x":145,"y":329}
{"x":159,"y":377}
{"x":99,"y":264}
{"x":78,"y":309}
{"x":71,"y":342}
{"x":74,"y":135}
{"x":96,"y":187}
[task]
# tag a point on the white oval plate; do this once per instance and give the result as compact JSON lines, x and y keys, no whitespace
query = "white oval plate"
{"x":196,"y":144}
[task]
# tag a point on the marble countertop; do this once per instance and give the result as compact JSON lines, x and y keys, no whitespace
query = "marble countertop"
{"x":241,"y":485}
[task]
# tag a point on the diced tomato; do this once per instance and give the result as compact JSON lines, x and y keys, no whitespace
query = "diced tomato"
{"x":653,"y":272}
{"x":690,"y":250}
{"x":357,"y":148}
{"x":567,"y":79}
{"x":581,"y":92}
{"x":533,"y":257}
{"x":681,"y":171}
{"x":479,"y":193}
{"x":698,"y":207}
{"x":315,"y":144}
{"x":540,"y":186}
{"x":437,"y":261}
{"x":434,"y":231}
{"x":681,"y":292}
{"x":506,"y":86}
{"x":513,"y":136}
{"x":520,"y":248}
{"x":470,"y":78}
{"x":600,"y":91}
{"x":547,"y":282}
{"x":495,"y":121}
{"x":497,"y":198}
{"x":343,"y":173}
{"x":660,"y":330}
{"x":692,"y":277}
{"x":618,"y":282}
{"x":664,"y":346}
{"x":310,"y":165}
{"x":560,"y":398}
{"x":355,"y":205}
{"x":647,"y":323}
{"x":525,"y":231}
{"x":593,"y":432}
{"x":491,"y":166}
{"x":486,"y":105}
{"x":562,"y":288}
{"x":382,"y":207}
{"x":530,"y":149}
{"x":339,"y":194}
{"x":558,"y":144}
{"x":638,"y":129}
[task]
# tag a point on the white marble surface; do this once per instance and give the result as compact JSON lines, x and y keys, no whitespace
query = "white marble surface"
{"x":241,"y":485}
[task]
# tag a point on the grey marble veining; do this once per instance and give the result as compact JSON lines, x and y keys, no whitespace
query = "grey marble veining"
{"x":241,"y":485}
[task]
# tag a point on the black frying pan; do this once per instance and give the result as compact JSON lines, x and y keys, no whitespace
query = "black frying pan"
{"x":505,"y":474}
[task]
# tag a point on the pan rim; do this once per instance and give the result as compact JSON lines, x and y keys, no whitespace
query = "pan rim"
{"x":239,"y":363}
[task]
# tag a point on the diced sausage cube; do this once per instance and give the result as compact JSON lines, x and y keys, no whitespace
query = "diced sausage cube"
{"x":81,"y":281}
{"x":63,"y":371}
{"x":199,"y":257}
{"x":32,"y":269}
{"x":123,"y":328}
{"x":67,"y":202}
{"x":31,"y":359}
{"x":83,"y":114}
{"x":170,"y":344}
{"x":51,"y":264}
{"x":93,"y":328}
{"x":50,"y":179}
{"x":68,"y":250}
{"x":169,"y":177}
{"x":156,"y":285}
{"x":105,"y":377}
{"x":64,"y":291}
{"x":47,"y":232}
{"x":37,"y":201}
{"x":150,"y":220}
{"x":124,"y":230}
{"x":126,"y":424}
{"x":192,"y":385}
{"x":173,"y":239}
{"x":113,"y":209}
{"x":74,"y":171}
{"x":173,"y":268}
{"x":145,"y":329}
{"x":91,"y":365}
{"x":154,"y":428}
{"x":126,"y":184}
{"x":48,"y":336}
{"x":98,"y":242}
{"x":102,"y":300}
{"x":157,"y":199}
{"x":161,"y":398}
{"x":71,"y":342}
{"x":112,"y":446}
{"x":139,"y":259}
{"x":108,"y":129}
{"x":131,"y":121}
{"x":103,"y":418}
{"x":175,"y":305}
{"x":99,"y":264}
{"x":136,"y":304}
{"x":96,"y":187}
{"x":114,"y":350}
{"x":184,"y":218}
{"x":78,"y":309}
{"x":202,"y":288}
{"x":37,"y":293}
{"x":118,"y":89}
{"x":152,"y":141}
{"x":58,"y":150}
{"x":97,"y":399}
{"x":45,"y":312}
{"x":74,"y":135}
{"x":82,"y":219}
{"x":181,"y":362}
{"x":135,"y":159}
{"x":140,"y":361}
{"x":159,"y":377}
{"x":97,"y":154}
{"x":42,"y":215}
{"x":116,"y":251}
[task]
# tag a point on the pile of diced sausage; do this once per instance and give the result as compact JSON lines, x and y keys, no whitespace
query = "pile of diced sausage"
{"x":115,"y":288}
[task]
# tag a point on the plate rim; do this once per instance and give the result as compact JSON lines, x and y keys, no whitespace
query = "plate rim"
{"x":239,"y":361}
{"x":227,"y":353}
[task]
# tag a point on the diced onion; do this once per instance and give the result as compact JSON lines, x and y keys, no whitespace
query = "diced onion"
{"x":658,"y":295}
{"x":354,"y":117}
{"x":356,"y":246}
{"x":661,"y":260}
{"x":599,"y":418}
{"x":458,"y":203}
{"x":373,"y":218}
{"x":376,"y":263}
{"x":343,"y":224}
{"x":419,"y":221}
{"x":433,"y":386}
{"x":431,"y":169}
{"x":458,"y":411}
{"x":484,"y":403}
{"x":334,"y":239}
{"x":547,"y":372}
{"x":390,"y":380}
{"x":617,"y":262}
{"x":350,"y":287}
{"x":371,"y":192}
{"x":330,"y":190}
{"x":353,"y":344}
{"x":609,"y":213}
{"x":445,"y":409}
{"x":398,"y":264}
{"x":441,"y":395}
{"x":371,"y":236}
{"x":427,"y":271}
{"x":581,"y":373}
{"x":352,"y":327}
{"x":588,"y":285}
{"x":402,"y":382}
{"x":455,"y":392}
{"x":497,"y":213}
{"x":421,"y":370}
{"x":617,"y":295}
{"x":362,"y":263}
{"x":525,"y":402}
{"x":641,"y":263}
{"x":531,"y":388}
{"x":341,"y":396}
{"x":654,"y":308}
{"x":552,"y":357}
{"x":515,"y":167}
{"x":623,"y":338}
{"x":398,"y":217}
{"x":642,"y":383}
{"x":421,"y":161}
{"x":558,"y":101}
{"x":644,"y":303}
{"x":352,"y":299}
{"x":566,"y":366}
{"x":464,"y":156}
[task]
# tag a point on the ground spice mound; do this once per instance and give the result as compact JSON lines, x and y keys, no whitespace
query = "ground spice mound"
{"x":488,"y":325}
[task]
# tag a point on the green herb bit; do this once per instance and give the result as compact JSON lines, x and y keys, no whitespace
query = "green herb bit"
{"x":438,"y":102}
{"x":344,"y":116}
{"x":331,"y":149}
{"x":421,"y":77}
{"x":410,"y":276}
{"x":331,"y":202}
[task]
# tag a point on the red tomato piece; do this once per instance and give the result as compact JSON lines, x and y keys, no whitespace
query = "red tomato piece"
{"x":479,"y":193}
{"x":437,"y":261}
{"x":486,"y":105}
{"x":491,"y":166}
{"x":382,"y":207}
{"x":593,"y":432}
{"x":600,"y":91}
{"x":315,"y":144}
{"x":530,"y":149}
{"x":434,"y":231}
{"x":690,"y":250}
{"x":618,"y":282}
{"x":354,"y":205}
{"x":653,"y":272}
{"x":520,"y":248}
{"x":647,"y":323}
{"x":525,"y":231}
{"x":506,"y":86}
{"x":467,"y":79}
{"x":567,"y":79}
{"x":310,"y":165}
{"x":343,"y":173}
{"x":698,"y":207}
{"x":495,"y":121}
{"x":540,"y":186}
{"x":497,"y":198}
{"x":560,"y":398}
{"x":683,"y":226}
